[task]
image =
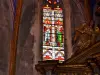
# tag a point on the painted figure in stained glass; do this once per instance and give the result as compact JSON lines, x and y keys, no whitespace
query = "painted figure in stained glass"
{"x":53,"y":33}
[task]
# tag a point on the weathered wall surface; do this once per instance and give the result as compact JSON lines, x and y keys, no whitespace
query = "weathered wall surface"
{"x":29,"y":39}
{"x":77,"y":12}
{"x":5,"y":32}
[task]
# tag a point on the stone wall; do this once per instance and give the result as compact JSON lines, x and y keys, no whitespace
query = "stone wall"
{"x":29,"y":39}
{"x":5,"y":34}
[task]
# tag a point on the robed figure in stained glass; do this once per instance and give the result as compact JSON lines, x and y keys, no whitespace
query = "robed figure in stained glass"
{"x":53,"y":31}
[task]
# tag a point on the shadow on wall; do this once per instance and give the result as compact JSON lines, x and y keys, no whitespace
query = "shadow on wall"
{"x":26,"y":24}
{"x":25,"y":56}
{"x":77,"y":15}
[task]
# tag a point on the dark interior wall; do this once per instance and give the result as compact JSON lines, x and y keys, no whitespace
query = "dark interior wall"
{"x":25,"y":56}
{"x":77,"y":12}
{"x":5,"y":32}
{"x":96,"y":18}
{"x":77,"y":15}
{"x":28,"y":13}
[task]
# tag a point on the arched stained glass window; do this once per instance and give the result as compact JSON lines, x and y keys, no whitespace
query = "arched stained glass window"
{"x":53,"y":30}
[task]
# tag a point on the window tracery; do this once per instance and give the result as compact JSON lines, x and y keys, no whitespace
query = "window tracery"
{"x":53,"y":30}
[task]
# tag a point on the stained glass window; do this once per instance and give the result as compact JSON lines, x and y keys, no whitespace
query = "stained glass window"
{"x":53,"y":30}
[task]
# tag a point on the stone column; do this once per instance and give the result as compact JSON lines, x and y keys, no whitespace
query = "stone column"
{"x":36,"y":31}
{"x":67,"y":19}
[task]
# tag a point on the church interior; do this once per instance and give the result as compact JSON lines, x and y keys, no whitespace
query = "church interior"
{"x":49,"y":37}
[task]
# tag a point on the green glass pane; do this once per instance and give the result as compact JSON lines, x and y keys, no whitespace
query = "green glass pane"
{"x":59,"y":37}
